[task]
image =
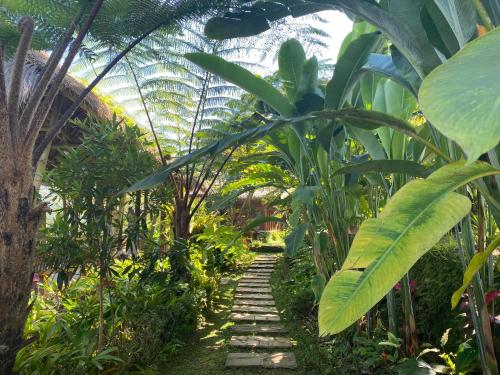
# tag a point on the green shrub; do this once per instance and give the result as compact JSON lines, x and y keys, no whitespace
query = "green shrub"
{"x":438,"y":274}
{"x":144,"y":321}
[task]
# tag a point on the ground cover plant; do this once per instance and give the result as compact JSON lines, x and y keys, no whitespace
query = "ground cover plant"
{"x":378,"y":176}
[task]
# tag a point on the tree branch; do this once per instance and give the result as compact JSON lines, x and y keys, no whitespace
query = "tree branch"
{"x":201,"y":180}
{"x":158,"y":146}
{"x":213,"y":181}
{"x":3,"y":92}
{"x":48,"y":73}
{"x":26,"y":26}
{"x":43,"y":109}
{"x":54,"y":131}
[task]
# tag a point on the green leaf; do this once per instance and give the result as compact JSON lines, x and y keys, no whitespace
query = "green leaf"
{"x":369,"y":141}
{"x":385,"y":248}
{"x":461,"y":16}
{"x":347,"y":69}
{"x":221,"y":27}
{"x":475,"y":265}
{"x":407,"y":167}
{"x":461,"y":98}
{"x":383,"y":64}
{"x":291,"y":60}
{"x":294,"y":240}
{"x":318,"y":283}
{"x":243,"y":79}
{"x":309,"y":80}
{"x":412,"y":366}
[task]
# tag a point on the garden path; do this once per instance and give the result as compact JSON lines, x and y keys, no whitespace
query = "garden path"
{"x":264,"y":338}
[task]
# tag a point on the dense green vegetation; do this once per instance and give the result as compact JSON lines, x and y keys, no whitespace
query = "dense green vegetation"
{"x":122,"y":231}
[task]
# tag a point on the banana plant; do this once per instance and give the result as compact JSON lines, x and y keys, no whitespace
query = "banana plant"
{"x":444,"y":28}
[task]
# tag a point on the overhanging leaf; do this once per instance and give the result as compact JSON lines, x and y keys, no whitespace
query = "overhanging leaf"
{"x":213,"y":149}
{"x":384,"y":249}
{"x":461,"y":97}
{"x":407,"y":167}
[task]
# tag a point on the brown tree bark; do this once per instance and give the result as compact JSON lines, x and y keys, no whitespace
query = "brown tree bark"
{"x":19,"y":221}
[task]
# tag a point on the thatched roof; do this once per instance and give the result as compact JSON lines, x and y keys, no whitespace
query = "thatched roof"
{"x":70,"y":88}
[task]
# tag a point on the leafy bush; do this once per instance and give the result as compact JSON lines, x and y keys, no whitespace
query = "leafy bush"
{"x":144,"y":321}
{"x":438,"y":274}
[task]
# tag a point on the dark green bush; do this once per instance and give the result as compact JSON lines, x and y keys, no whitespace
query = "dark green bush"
{"x":438,"y":274}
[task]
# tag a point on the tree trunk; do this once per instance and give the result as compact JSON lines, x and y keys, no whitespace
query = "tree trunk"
{"x":100,"y":296}
{"x":179,"y":253}
{"x":18,"y":227}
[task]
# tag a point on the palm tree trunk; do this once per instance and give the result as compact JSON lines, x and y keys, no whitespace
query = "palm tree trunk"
{"x":19,"y":220}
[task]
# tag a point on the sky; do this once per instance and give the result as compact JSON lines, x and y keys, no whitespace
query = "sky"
{"x":338,"y":26}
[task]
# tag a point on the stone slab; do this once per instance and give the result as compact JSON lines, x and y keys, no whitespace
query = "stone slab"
{"x":263,"y":264}
{"x":254,"y":302}
{"x":259,"y":342}
{"x":253,"y":280}
{"x":253,"y":290}
{"x":258,"y":328}
{"x":255,"y":309}
{"x":259,"y":270}
{"x":266,"y":360}
{"x":236,"y":317}
{"x":253,"y":296}
{"x":260,"y":276}
{"x":254,"y":285}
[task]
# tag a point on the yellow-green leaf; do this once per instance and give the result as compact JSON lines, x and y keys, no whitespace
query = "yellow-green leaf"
{"x":384,"y":249}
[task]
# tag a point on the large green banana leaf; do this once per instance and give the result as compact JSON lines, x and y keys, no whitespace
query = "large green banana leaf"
{"x":243,"y":78}
{"x":347,"y":69}
{"x":461,"y":97}
{"x":385,"y":249}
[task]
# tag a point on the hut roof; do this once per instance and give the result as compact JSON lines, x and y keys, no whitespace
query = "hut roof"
{"x":70,"y":87}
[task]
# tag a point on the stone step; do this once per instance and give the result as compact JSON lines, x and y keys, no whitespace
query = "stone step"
{"x":253,"y":290}
{"x":266,"y":360}
{"x":253,"y":296}
{"x":236,"y":317}
{"x":262,"y":265}
{"x":255,"y":309}
{"x":254,"y":285}
{"x":253,"y":302}
{"x":259,"y":270}
{"x":252,"y":280}
{"x":258,"y":328}
{"x":258,"y":276}
{"x":265,"y":261}
{"x":258,"y":342}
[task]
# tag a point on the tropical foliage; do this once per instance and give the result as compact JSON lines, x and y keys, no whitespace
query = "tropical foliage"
{"x":383,"y":172}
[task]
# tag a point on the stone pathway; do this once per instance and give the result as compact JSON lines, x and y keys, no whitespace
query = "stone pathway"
{"x":254,"y":303}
